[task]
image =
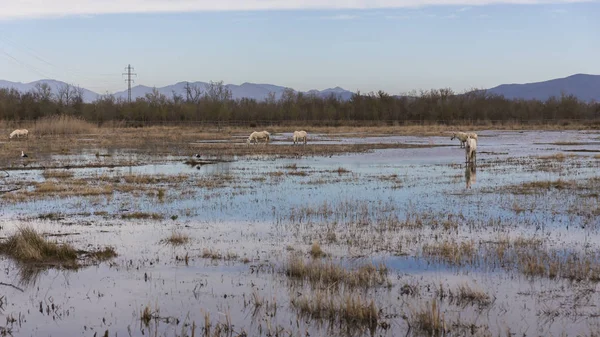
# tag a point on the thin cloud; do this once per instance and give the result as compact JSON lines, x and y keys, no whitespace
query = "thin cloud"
{"x":15,"y":9}
{"x":463,"y":9}
{"x":397,"y":17}
{"x":340,"y":17}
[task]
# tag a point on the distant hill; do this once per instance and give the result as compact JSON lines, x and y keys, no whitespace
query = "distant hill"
{"x":259,"y":92}
{"x":88,"y":95}
{"x":246,"y":90}
{"x":585,"y":87}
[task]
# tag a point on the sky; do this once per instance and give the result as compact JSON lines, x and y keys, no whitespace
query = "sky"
{"x":366,"y":45}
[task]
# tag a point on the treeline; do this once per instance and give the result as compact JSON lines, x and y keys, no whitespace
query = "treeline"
{"x":215,"y":103}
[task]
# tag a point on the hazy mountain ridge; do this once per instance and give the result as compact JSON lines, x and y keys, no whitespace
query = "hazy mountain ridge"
{"x":245,"y":90}
{"x":583,"y":86}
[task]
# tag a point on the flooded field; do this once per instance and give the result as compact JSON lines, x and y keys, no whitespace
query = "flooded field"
{"x":350,"y":235}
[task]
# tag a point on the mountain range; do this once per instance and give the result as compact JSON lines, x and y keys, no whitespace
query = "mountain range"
{"x":583,"y":86}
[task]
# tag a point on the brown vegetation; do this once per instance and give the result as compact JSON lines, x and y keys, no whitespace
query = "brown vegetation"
{"x":60,"y":125}
{"x":177,"y":239}
{"x":27,"y":245}
{"x":216,"y":104}
{"x":351,"y":309}
{"x":330,"y":274}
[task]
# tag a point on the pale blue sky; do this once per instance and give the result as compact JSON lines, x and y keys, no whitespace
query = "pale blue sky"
{"x":393,"y":49}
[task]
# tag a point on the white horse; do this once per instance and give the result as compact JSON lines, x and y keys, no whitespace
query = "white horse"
{"x":472,"y":135}
{"x":461,"y":136}
{"x":19,"y":133}
{"x":256,"y":136}
{"x":299,"y":136}
{"x":471,"y":150}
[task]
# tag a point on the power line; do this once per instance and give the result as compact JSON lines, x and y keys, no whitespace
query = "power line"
{"x":129,"y":68}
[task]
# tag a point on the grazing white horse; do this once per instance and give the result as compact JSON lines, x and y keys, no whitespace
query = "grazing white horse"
{"x":461,"y":136}
{"x":256,"y":136}
{"x":471,"y":150}
{"x":299,"y":136}
{"x":19,"y":133}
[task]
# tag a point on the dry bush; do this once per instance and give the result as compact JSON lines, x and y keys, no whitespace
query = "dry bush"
{"x":60,"y":125}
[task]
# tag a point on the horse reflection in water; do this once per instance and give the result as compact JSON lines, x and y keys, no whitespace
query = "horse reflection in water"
{"x":470,"y":174}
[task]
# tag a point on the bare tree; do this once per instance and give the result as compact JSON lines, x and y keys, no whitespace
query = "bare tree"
{"x":63,"y":94}
{"x":193,"y":93}
{"x":43,"y":92}
{"x":216,"y":91}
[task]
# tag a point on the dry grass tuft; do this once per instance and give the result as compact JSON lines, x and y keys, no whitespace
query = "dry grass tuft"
{"x":57,"y":174}
{"x":430,"y":320}
{"x":177,"y":239}
{"x":316,"y":251}
{"x":27,"y":245}
{"x":146,"y":315}
{"x":317,"y":273}
{"x":142,"y":215}
{"x":465,"y":295}
{"x":104,"y":254}
{"x":62,"y":125}
{"x":341,"y":170}
{"x":451,"y":252}
{"x":557,"y":157}
{"x":217,"y":255}
{"x":350,"y":309}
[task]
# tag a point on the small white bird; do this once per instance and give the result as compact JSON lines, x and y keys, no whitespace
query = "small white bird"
{"x":197,"y":155}
{"x":23,"y":155}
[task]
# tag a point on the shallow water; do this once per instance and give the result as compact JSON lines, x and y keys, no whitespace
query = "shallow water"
{"x":263,"y":208}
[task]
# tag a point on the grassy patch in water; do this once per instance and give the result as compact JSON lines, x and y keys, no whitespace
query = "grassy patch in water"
{"x":142,"y":215}
{"x":330,"y":274}
{"x":352,"y":309}
{"x":177,"y":239}
{"x":27,"y":245}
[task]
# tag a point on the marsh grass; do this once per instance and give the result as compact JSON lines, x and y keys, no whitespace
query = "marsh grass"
{"x":316,"y":251}
{"x":27,"y":245}
{"x":103,"y":254}
{"x":51,"y":216}
{"x":71,"y":188}
{"x":208,"y":253}
{"x":429,"y":319}
{"x":317,"y":272}
{"x":349,"y":309}
{"x":559,"y":157}
{"x":468,"y":295}
{"x":147,"y":179}
{"x":57,"y":174}
{"x":59,"y":125}
{"x":340,"y":170}
{"x":451,"y":252}
{"x":142,"y":215}
{"x":177,"y":239}
{"x":147,"y":314}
